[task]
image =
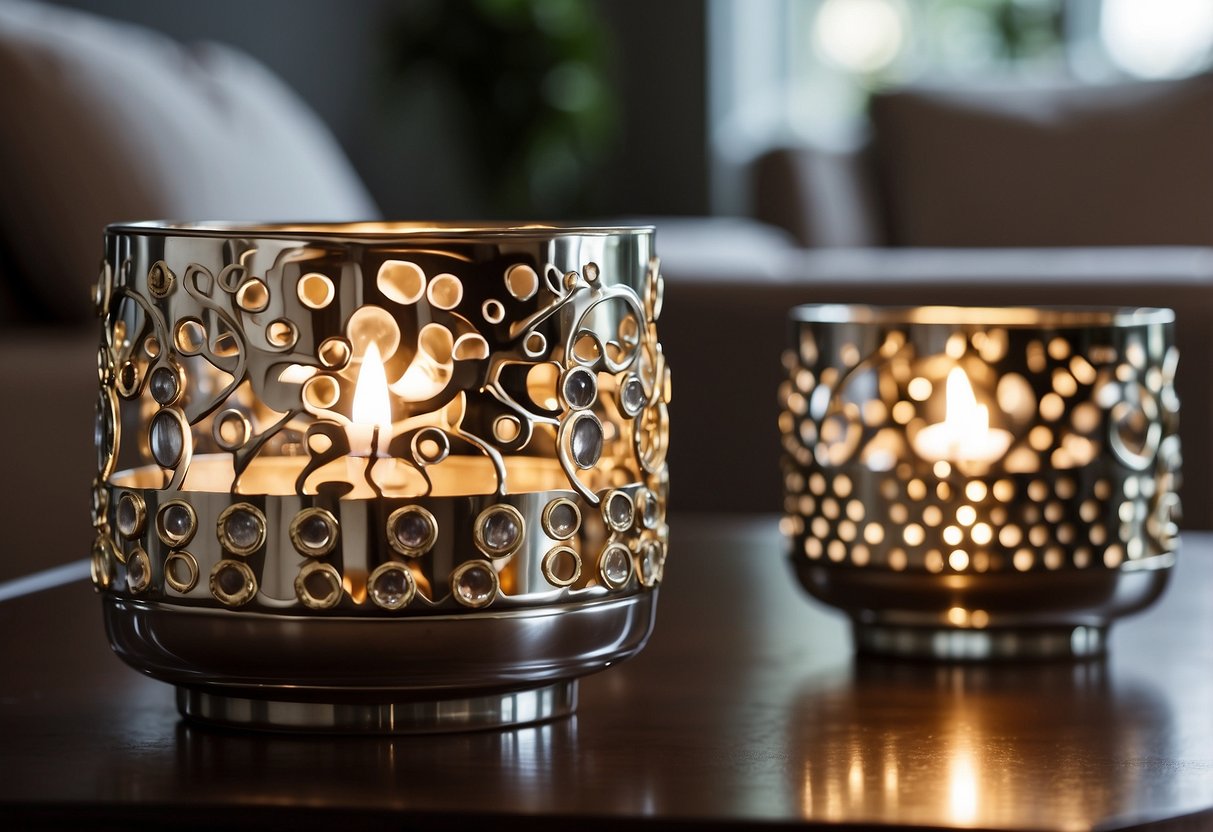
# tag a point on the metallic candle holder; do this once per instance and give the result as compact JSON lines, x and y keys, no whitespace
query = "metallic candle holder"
{"x":379,"y":477}
{"x":981,"y":483}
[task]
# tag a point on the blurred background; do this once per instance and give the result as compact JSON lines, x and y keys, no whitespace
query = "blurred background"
{"x":557,"y":108}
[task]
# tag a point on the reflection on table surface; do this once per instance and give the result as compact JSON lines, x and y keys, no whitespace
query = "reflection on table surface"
{"x":988,"y":746}
{"x":746,"y":706}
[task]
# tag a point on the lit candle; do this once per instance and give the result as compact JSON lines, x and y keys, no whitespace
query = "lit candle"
{"x":965,"y":434}
{"x":371,"y":426}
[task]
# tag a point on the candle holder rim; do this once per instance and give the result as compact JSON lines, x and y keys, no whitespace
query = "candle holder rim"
{"x":375,"y":231}
{"x":1004,"y":316}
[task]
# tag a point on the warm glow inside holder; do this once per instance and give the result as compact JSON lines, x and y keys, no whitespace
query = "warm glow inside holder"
{"x":379,"y":477}
{"x":981,"y":483}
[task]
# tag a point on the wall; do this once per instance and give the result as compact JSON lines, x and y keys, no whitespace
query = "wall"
{"x":334,"y":54}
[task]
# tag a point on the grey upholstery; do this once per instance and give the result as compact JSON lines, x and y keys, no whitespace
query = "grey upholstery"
{"x":724,"y":329}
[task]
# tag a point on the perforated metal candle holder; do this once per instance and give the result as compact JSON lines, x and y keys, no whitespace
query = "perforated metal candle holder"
{"x":379,"y":477}
{"x":981,"y":483}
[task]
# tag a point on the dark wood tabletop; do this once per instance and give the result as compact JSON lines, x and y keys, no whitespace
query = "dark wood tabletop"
{"x":746,"y":708}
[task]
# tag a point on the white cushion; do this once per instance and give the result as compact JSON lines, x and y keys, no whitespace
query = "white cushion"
{"x":107,"y":122}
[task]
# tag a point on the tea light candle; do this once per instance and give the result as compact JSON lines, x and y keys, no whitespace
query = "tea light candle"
{"x":965,"y":434}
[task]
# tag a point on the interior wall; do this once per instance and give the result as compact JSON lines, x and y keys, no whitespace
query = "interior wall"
{"x":335,"y":53}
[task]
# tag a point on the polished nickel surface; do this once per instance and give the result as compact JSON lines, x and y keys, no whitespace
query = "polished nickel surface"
{"x":423,"y":716}
{"x":218,"y":649}
{"x":1021,"y":528}
{"x":391,"y":459}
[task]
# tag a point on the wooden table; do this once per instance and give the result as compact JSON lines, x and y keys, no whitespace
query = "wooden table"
{"x":746,"y":708}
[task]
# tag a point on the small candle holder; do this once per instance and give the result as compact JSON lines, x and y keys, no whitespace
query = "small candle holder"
{"x":379,"y":477}
{"x":973,"y":483}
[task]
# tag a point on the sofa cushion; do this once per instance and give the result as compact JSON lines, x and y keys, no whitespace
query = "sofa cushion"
{"x":1127,"y":164}
{"x":110,"y":122}
{"x":824,"y":198}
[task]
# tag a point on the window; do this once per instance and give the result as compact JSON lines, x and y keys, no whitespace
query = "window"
{"x":800,"y":71}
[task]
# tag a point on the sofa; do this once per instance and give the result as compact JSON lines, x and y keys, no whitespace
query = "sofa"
{"x":115,"y":122}
{"x":1042,"y":194}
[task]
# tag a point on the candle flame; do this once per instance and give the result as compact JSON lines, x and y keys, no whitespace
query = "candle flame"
{"x":372,"y":405}
{"x":965,"y":434}
{"x":964,"y":416}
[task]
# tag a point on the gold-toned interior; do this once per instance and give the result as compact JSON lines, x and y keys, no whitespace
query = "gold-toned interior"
{"x":453,"y":477}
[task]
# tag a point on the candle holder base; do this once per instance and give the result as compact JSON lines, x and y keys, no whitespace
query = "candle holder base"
{"x":993,"y":644}
{"x":345,"y":714}
{"x":403,"y":675}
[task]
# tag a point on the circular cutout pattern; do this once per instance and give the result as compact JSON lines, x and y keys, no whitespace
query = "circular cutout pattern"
{"x":181,"y":571}
{"x":470,"y":346}
{"x":615,"y":566}
{"x":499,"y":530}
{"x":231,"y":430}
{"x":493,"y":311}
{"x":561,"y":519}
{"x":391,"y":586}
{"x":474,"y":584}
{"x":127,"y":380}
{"x":521,"y":281}
{"x":431,"y":445}
{"x":165,"y":384}
{"x":281,"y":333}
{"x":315,"y":290}
{"x":618,"y":511}
{"x":373,"y":324}
{"x":506,"y":428}
{"x":176,"y":523}
{"x":321,"y":392}
{"x":314,"y":532}
{"x":253,"y":295}
{"x":579,"y":388}
{"x":535,"y":345}
{"x":166,"y":437}
{"x":562,"y":566}
{"x":138,"y":570}
{"x":587,"y":349}
{"x":412,"y":531}
{"x":190,"y":337}
{"x":241,"y":529}
{"x":585,"y":440}
{"x":401,"y":281}
{"x":334,"y":353}
{"x":130,"y":515}
{"x":649,"y":508}
{"x":445,"y":291}
{"x":318,"y":586}
{"x":233,"y":583}
{"x":650,"y":563}
{"x":632,"y":398}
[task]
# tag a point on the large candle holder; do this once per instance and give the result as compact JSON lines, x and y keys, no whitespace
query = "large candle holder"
{"x":981,"y":483}
{"x":379,"y":477}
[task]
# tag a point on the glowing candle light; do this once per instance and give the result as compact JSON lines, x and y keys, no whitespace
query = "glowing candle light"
{"x":372,"y":412}
{"x":965,"y":434}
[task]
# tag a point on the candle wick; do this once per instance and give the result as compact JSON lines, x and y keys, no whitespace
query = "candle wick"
{"x":371,"y":460}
